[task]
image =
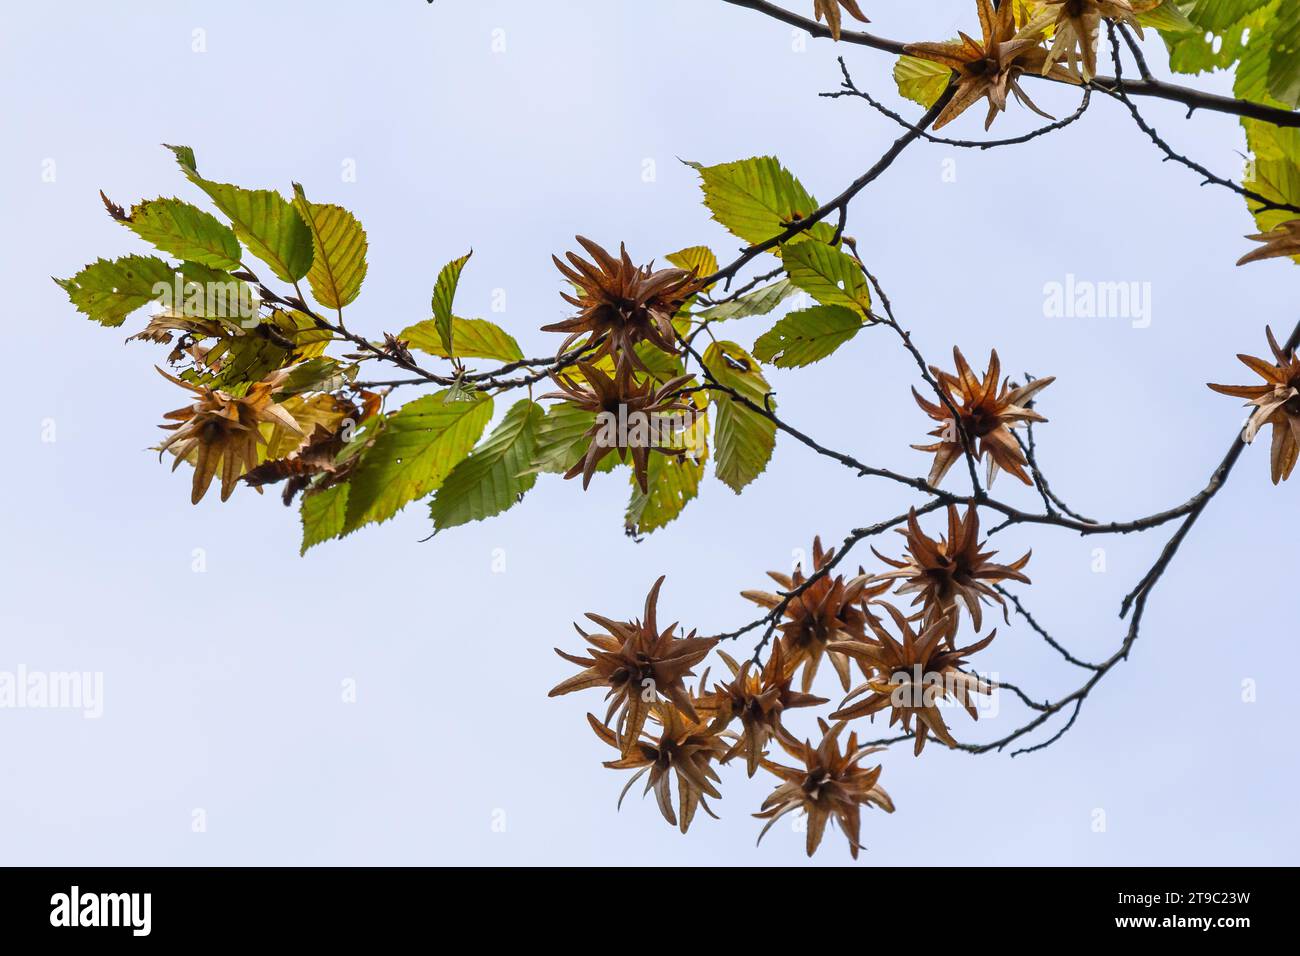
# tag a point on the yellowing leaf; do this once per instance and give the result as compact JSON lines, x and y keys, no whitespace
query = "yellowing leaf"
{"x":921,"y":81}
{"x":471,"y":338}
{"x":263,"y":220}
{"x":1218,"y":15}
{"x":671,"y":484}
{"x":248,"y":356}
{"x":339,"y":251}
{"x":743,"y":438}
{"x":697,"y":259}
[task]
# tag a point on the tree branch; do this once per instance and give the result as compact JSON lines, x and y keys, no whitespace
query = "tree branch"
{"x":1193,"y":99}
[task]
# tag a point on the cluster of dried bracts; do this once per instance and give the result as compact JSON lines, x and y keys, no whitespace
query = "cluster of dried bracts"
{"x":268,"y":406}
{"x":622,"y":305}
{"x":1057,"y":39}
{"x":910,"y":665}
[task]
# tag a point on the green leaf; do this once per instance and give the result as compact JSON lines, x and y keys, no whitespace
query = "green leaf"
{"x":1284,"y":59}
{"x":757,"y":199}
{"x":1220,"y":34}
{"x":324,"y":515}
{"x":802,"y":338}
{"x":338,"y":263}
{"x":108,"y":290}
{"x":921,"y":81}
{"x":1251,"y":82}
{"x":413,"y":455}
{"x":471,"y":338}
{"x":320,"y":374}
{"x":1167,"y":18}
{"x":562,"y":439}
{"x":759,"y":302}
{"x":743,"y":439}
{"x":671,"y":483}
{"x":263,"y":219}
{"x":496,"y":475}
{"x":186,"y":232}
{"x":1218,"y":15}
{"x":1274,"y":172}
{"x":444,"y":297}
{"x":662,"y":366}
{"x":830,"y":276}
{"x":185,"y":157}
{"x":250,"y":354}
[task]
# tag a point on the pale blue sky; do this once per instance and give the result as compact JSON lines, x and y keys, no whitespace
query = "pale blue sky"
{"x":222,"y":689}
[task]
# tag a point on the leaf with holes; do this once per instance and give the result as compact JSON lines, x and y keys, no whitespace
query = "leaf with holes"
{"x":828,"y":275}
{"x":108,"y":290}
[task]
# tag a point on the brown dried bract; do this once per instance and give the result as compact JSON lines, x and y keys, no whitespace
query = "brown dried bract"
{"x":220,"y":433}
{"x":621,"y":303}
{"x":639,"y":664}
{"x":830,"y":11}
{"x":758,"y":699}
{"x":952,"y":571}
{"x":1281,"y":240}
{"x":1276,"y":403}
{"x":990,"y":68}
{"x":1078,"y":22}
{"x":319,"y":462}
{"x":685,"y":747}
{"x":829,"y":785}
{"x":986,"y":413}
{"x":827,"y":609}
{"x":909,"y":678}
{"x":637,"y":410}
